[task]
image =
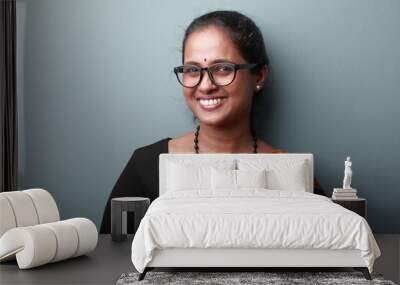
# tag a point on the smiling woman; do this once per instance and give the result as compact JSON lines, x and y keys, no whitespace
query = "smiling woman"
{"x":224,"y":68}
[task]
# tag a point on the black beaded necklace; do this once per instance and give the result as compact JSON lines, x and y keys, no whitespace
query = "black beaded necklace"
{"x":196,"y":141}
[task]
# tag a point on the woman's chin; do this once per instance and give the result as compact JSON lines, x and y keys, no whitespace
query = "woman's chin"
{"x":212,"y":120}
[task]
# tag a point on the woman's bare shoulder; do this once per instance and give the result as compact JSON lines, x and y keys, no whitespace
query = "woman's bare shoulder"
{"x":264,"y":147}
{"x":181,"y":144}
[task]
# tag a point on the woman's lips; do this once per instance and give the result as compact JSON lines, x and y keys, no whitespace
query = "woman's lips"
{"x":211,"y":104}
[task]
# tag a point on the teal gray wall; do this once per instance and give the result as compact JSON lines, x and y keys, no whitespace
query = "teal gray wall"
{"x":95,"y":82}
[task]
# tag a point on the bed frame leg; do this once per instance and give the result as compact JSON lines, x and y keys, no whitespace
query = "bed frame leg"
{"x":364,"y":271}
{"x":143,"y":274}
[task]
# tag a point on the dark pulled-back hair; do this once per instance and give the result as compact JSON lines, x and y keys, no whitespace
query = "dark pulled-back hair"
{"x":245,"y":35}
{"x":243,"y":32}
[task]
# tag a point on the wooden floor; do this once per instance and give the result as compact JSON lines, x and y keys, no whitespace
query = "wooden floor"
{"x":389,"y":262}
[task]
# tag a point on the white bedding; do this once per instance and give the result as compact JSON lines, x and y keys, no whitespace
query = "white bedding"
{"x":250,"y":218}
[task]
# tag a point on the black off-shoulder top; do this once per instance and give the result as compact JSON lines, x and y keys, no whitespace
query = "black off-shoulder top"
{"x":138,"y":179}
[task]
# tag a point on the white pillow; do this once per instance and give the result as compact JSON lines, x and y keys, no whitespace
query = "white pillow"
{"x":237,"y":179}
{"x":223,"y":179}
{"x":287,"y":179}
{"x":188,"y":175}
{"x":251,"y":178}
{"x":281,"y":174}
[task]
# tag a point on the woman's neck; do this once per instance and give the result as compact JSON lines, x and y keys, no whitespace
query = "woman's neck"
{"x":225,"y":139}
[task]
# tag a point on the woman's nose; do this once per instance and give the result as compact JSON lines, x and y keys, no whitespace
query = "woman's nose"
{"x":206,"y":85}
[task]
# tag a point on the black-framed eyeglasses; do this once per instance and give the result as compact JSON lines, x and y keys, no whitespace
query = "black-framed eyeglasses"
{"x":221,"y":74}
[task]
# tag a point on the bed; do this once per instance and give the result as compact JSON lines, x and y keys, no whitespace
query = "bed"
{"x":245,"y":211}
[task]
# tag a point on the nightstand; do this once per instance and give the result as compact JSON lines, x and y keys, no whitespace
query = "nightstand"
{"x":358,"y":205}
{"x":119,"y":208}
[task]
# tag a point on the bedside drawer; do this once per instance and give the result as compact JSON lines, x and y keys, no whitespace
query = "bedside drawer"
{"x":358,"y":206}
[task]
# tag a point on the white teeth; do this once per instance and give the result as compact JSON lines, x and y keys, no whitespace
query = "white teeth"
{"x":210,"y":102}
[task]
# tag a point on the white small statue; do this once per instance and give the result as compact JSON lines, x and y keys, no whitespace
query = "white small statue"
{"x":347,"y":174}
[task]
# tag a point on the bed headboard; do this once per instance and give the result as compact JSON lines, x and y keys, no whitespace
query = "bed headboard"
{"x":166,"y":157}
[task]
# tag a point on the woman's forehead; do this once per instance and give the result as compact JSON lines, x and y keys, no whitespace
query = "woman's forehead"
{"x":210,"y":44}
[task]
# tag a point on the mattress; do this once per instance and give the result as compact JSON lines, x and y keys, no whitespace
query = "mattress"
{"x":250,"y":219}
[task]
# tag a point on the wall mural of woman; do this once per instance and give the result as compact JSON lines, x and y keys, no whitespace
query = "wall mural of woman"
{"x":224,"y":68}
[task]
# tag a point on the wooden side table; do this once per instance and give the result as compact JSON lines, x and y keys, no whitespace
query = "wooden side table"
{"x":119,"y":208}
{"x":358,"y":205}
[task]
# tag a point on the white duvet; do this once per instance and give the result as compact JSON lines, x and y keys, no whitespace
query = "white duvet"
{"x":251,"y":218}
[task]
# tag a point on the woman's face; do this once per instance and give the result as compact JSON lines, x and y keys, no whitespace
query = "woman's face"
{"x":204,"y":48}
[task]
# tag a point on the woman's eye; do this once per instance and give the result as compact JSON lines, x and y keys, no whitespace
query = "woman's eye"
{"x":190,"y":69}
{"x":223,"y":68}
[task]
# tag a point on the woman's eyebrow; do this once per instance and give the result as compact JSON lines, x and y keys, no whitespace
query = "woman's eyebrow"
{"x":219,"y":60}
